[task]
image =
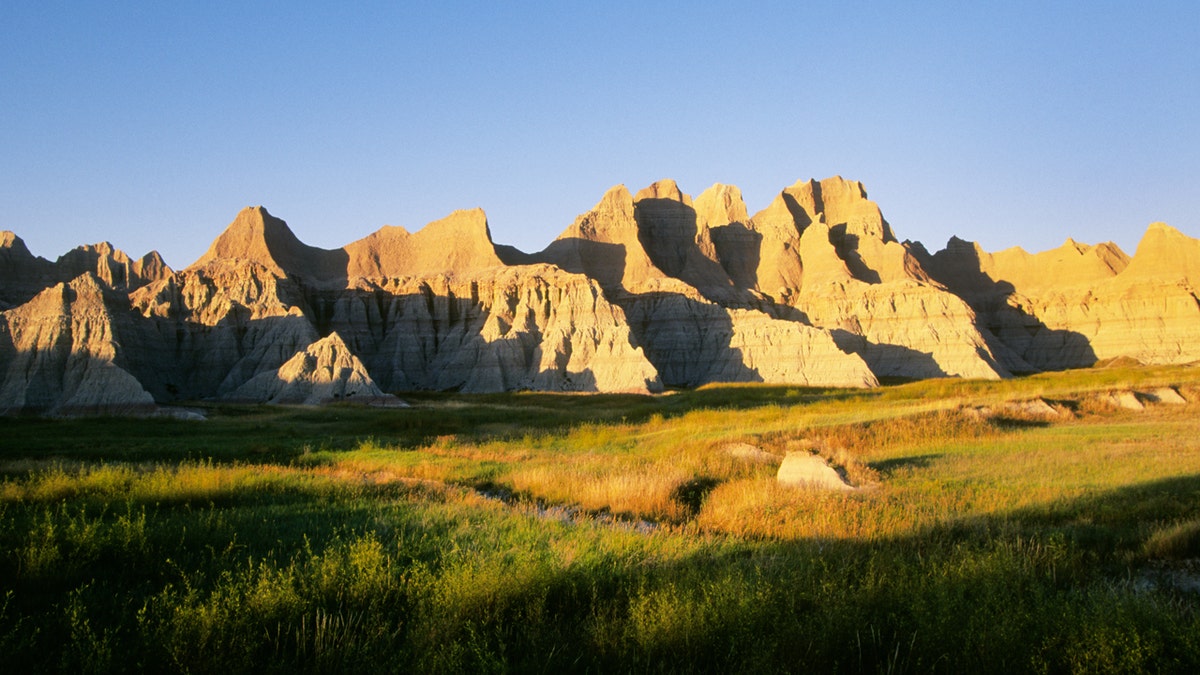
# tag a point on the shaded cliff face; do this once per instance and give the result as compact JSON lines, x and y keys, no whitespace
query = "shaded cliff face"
{"x":643,"y":291}
{"x":23,"y":275}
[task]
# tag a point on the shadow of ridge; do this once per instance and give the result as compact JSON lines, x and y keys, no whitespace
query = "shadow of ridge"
{"x":895,"y":362}
{"x":739,"y":249}
{"x":597,"y":260}
{"x":923,"y":601}
{"x":886,"y":467}
{"x":846,"y":246}
{"x":668,"y":231}
{"x":688,"y":341}
{"x":1035,"y":588}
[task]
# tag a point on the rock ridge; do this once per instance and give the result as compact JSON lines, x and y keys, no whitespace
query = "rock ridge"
{"x":647,"y":289}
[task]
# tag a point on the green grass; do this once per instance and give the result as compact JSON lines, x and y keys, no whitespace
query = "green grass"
{"x":625,"y":538}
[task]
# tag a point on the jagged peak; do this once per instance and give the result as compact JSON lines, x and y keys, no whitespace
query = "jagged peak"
{"x":10,"y":240}
{"x":333,"y":339}
{"x":721,"y":204}
{"x":663,"y":189}
{"x":257,"y":236}
{"x":1165,"y":252}
{"x":87,"y":282}
{"x":463,"y":223}
{"x":1111,"y":255}
{"x":389,"y":231}
{"x":616,"y":207}
{"x":254,"y":235}
{"x":616,"y":198}
{"x":1015,"y":251}
{"x":956,"y":244}
{"x":1160,"y":231}
{"x":1078,"y":247}
{"x":101,"y":249}
{"x":153,"y":258}
{"x":460,"y":242}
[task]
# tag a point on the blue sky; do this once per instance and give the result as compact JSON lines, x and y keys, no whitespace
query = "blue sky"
{"x":151,"y":124}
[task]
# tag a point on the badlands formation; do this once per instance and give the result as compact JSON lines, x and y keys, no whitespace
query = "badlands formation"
{"x":644,"y":291}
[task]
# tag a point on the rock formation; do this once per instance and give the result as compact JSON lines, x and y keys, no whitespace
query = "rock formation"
{"x":803,"y":469}
{"x":60,"y":353}
{"x":1078,"y":304}
{"x":324,"y":372}
{"x":825,"y":251}
{"x":643,"y":291}
{"x":656,"y":259}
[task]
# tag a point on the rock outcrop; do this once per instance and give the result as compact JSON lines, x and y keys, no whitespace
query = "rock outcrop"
{"x":1078,"y":304}
{"x":60,"y":353}
{"x":827,"y":252}
{"x":22,"y":274}
{"x":324,"y":372}
{"x":802,"y":469}
{"x":656,"y":259}
{"x":647,"y":290}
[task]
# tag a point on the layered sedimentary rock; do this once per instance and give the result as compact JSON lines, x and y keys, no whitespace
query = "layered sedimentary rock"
{"x":498,"y":329}
{"x":324,"y":372}
{"x":432,"y":310}
{"x":60,"y":353}
{"x":23,"y":275}
{"x":825,"y":251}
{"x":643,"y":291}
{"x":657,"y":260}
{"x":1072,"y":306}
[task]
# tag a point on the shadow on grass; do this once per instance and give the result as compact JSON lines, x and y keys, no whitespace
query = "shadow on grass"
{"x":259,"y":433}
{"x":471,"y":589}
{"x":887,"y":467}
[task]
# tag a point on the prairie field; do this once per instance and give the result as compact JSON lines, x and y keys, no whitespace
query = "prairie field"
{"x":534,"y":532}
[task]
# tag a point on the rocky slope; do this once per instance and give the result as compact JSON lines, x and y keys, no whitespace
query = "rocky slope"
{"x":61,"y":352}
{"x":1074,"y":305}
{"x":645,"y":290}
{"x":324,"y":372}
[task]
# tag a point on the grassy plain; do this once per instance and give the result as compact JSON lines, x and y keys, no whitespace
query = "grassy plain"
{"x":546,"y":533}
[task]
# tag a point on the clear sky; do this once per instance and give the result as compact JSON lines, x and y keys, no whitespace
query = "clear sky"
{"x":150,"y":124}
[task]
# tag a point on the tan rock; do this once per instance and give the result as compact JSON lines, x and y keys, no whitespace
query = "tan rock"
{"x":837,"y":262}
{"x":112,"y":266}
{"x":1124,"y":399}
{"x":692,"y":342}
{"x":678,"y":244}
{"x":638,"y":292}
{"x":1168,"y":395}
{"x":458,"y":243}
{"x":1036,"y":408}
{"x":721,"y":215}
{"x":529,"y":327}
{"x":1164,"y":255}
{"x":908,"y":330}
{"x":750,"y":453}
{"x":1079,"y":304}
{"x":255,"y":236}
{"x":806,"y":470}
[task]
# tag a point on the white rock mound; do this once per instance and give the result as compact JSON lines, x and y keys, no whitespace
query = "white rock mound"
{"x":804,"y":469}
